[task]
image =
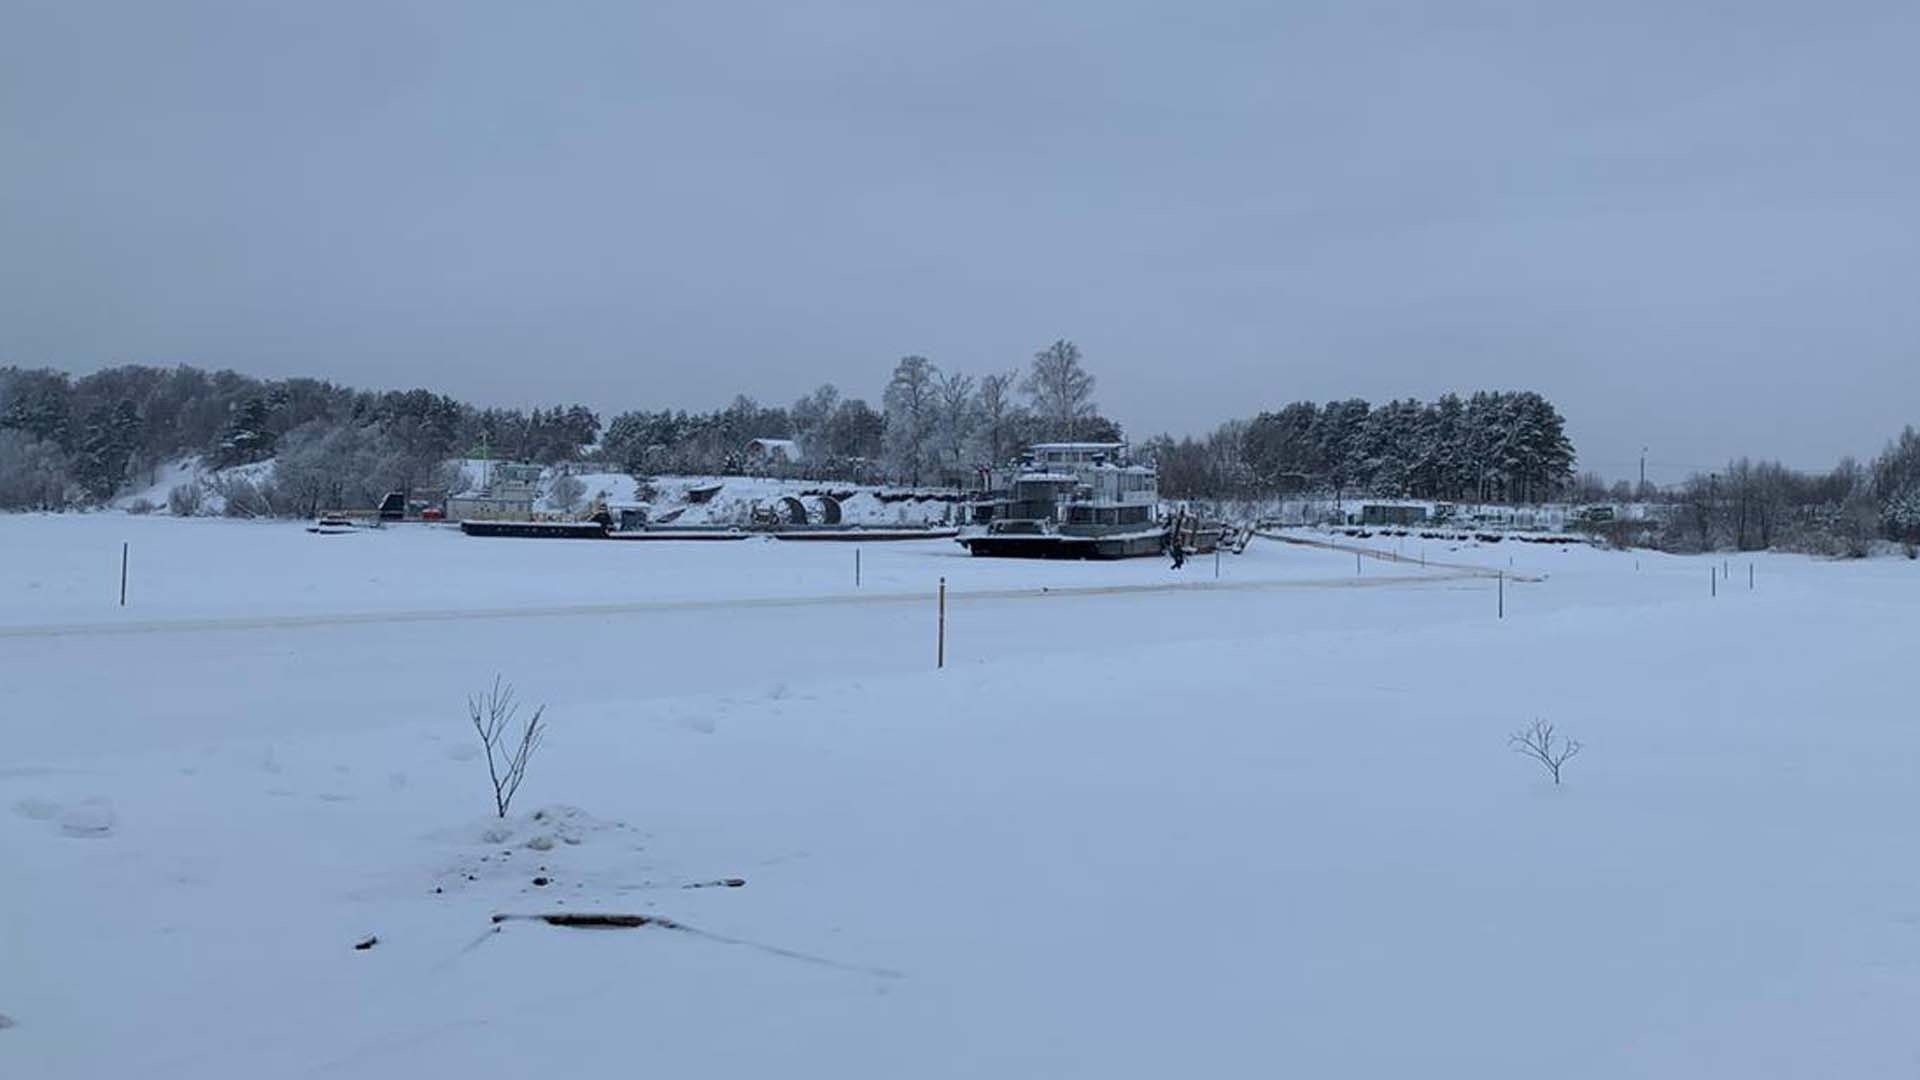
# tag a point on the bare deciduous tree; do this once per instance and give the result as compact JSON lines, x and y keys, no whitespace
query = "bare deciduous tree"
{"x":998,"y":416}
{"x":566,"y":493}
{"x":492,"y":714}
{"x":955,"y":418}
{"x":912,"y":404}
{"x":1061,"y":389}
{"x":1539,"y":742}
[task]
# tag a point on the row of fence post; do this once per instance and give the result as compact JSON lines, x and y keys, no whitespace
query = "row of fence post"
{"x":1717,"y":574}
{"x":1714,"y":574}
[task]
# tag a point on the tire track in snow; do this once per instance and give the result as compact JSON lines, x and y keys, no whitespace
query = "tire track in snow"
{"x":1466,"y":569}
{"x":640,"y":607}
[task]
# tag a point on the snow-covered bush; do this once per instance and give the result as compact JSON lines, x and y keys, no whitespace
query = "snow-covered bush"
{"x":243,"y":496}
{"x":33,"y":472}
{"x":1901,"y":515}
{"x":185,"y":500}
{"x":142,"y":505}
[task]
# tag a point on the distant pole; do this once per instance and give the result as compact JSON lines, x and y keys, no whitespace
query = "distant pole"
{"x":123,"y":573}
{"x":1216,"y":562}
{"x":940,"y":648}
{"x":1749,"y":577}
{"x":1503,"y":592}
{"x":1356,"y":562}
{"x":856,"y":568}
{"x":1713,"y":581}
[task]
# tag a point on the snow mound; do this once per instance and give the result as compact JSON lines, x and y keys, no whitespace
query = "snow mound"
{"x":540,"y":850}
{"x":92,"y":818}
{"x":549,"y":826}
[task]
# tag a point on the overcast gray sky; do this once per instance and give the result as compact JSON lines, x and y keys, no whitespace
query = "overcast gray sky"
{"x":1692,"y":225}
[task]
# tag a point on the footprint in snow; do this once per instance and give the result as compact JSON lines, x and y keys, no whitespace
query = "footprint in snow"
{"x":37,"y":809}
{"x":92,"y":818}
{"x":703,"y":724}
{"x":87,"y":818}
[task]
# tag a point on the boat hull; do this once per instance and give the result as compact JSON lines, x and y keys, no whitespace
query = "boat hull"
{"x":545,"y":530}
{"x":864,"y":535}
{"x":1060,"y":546}
{"x":700,"y":533}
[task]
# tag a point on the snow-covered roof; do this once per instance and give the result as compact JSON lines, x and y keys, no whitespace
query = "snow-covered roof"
{"x":1076,"y":446}
{"x":787,"y":447}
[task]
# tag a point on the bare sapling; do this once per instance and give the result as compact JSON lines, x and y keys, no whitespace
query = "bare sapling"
{"x":1540,"y":742}
{"x":493,"y":715}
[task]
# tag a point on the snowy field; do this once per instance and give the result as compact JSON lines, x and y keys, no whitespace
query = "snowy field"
{"x":1145,"y":823}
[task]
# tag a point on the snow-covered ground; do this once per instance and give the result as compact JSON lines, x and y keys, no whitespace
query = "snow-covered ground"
{"x":1145,"y":823}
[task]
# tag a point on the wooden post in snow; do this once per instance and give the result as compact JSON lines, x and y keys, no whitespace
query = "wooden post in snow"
{"x":1502,"y":574}
{"x":123,"y":573}
{"x":940,"y":645}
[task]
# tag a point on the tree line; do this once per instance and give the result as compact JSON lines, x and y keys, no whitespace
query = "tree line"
{"x":1489,"y":447}
{"x":1760,"y":505}
{"x":67,"y":441}
{"x":77,"y":441}
{"x":933,"y":426}
{"x":1512,"y":447}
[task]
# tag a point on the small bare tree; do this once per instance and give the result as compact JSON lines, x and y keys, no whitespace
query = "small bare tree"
{"x":566,"y":492}
{"x":492,"y":714}
{"x":1539,"y":742}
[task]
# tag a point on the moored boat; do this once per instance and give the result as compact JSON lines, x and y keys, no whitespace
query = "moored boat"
{"x":1080,"y":500}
